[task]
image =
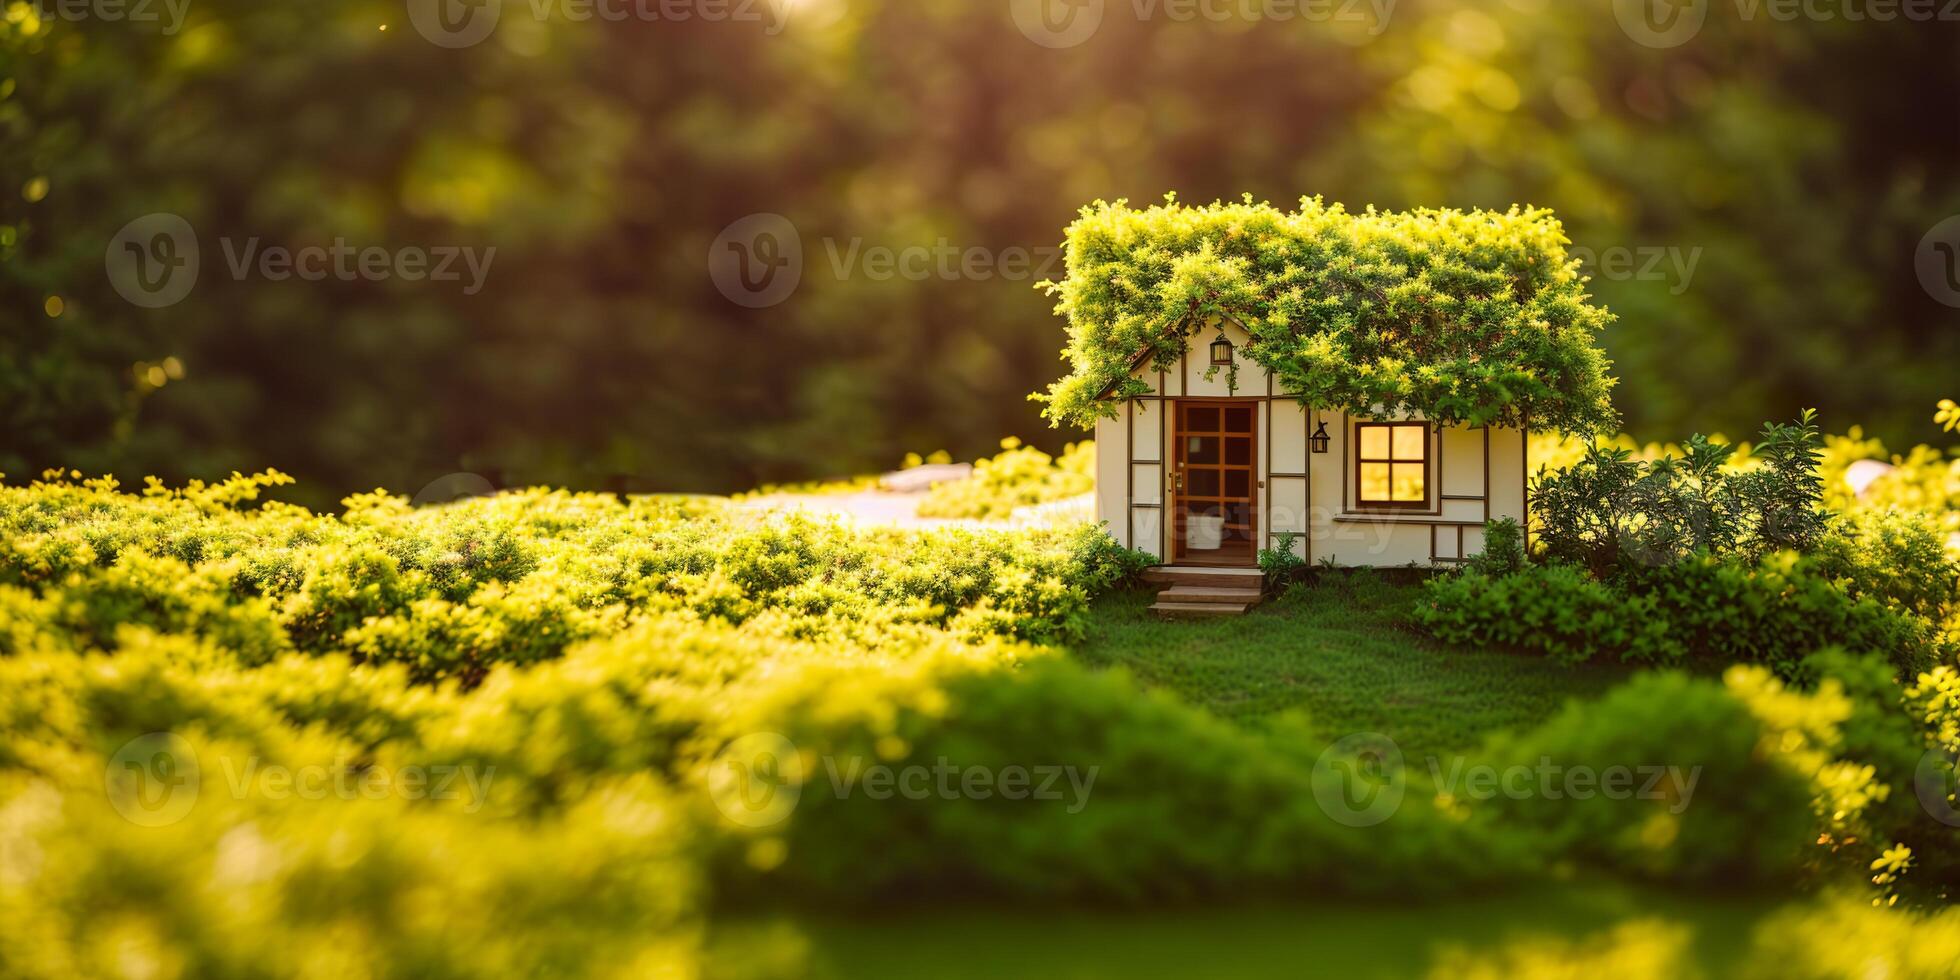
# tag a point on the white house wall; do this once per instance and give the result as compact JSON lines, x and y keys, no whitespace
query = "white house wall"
{"x":1111,"y":462}
{"x":1479,"y":474}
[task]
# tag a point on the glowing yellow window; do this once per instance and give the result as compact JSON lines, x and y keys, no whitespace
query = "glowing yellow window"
{"x":1392,"y":464}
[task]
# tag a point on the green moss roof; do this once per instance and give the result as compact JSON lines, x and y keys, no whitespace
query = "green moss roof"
{"x":1477,"y":318}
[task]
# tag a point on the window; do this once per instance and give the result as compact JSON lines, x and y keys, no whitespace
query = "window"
{"x":1392,"y":464}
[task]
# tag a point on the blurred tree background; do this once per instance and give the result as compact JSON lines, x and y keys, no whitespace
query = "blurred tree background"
{"x":1798,"y":164}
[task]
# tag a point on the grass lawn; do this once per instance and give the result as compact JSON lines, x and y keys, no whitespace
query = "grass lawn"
{"x":1359,"y":940}
{"x":1340,"y":653}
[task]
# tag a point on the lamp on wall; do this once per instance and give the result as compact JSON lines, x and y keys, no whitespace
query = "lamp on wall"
{"x":1321,"y":439}
{"x":1221,"y":351}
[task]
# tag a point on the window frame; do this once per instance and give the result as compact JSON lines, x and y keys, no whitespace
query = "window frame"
{"x":1428,"y":461}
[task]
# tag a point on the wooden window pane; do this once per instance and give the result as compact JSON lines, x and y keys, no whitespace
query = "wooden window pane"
{"x":1238,"y":483}
{"x":1204,"y":483}
{"x":1202,"y":419}
{"x":1409,"y":479}
{"x":1201,"y":449}
{"x":1375,"y":482}
{"x":1374,"y":442}
{"x":1238,"y":418}
{"x":1238,"y":451}
{"x":1410,"y":441}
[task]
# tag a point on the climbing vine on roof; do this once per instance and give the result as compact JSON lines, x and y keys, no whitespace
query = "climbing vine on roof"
{"x":1473,"y":318}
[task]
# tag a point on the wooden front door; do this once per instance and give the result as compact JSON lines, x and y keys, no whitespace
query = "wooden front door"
{"x":1214,"y":483}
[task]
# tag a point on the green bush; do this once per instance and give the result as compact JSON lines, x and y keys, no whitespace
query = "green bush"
{"x":1611,"y":513}
{"x":1775,"y":612}
{"x":1180,"y":804}
{"x":1868,"y":786}
{"x":1706,"y":804}
{"x":1283,"y":563}
{"x":1895,"y":558}
{"x":1503,"y":551}
{"x":1555,"y":611}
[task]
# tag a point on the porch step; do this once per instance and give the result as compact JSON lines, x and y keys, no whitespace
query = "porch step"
{"x":1198,"y":610}
{"x":1199,"y":576}
{"x":1194,"y":592}
{"x":1206,"y":594}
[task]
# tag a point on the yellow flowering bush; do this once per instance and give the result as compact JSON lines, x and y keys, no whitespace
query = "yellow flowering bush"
{"x":1021,"y":476}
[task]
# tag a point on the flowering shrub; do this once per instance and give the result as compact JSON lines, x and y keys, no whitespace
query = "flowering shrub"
{"x":1021,"y":476}
{"x":511,"y":579}
{"x":587,"y":662}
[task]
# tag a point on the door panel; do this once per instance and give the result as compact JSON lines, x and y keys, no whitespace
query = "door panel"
{"x":1214,"y":484}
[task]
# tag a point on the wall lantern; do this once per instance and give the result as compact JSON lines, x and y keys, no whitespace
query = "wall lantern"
{"x":1221,"y":351}
{"x":1321,"y":439}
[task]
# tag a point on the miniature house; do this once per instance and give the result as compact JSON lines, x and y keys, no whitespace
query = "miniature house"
{"x":1197,"y":473}
{"x":1351,"y":388}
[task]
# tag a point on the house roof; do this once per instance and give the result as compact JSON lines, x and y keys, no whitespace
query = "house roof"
{"x":1135,"y":362}
{"x":1475,"y":317}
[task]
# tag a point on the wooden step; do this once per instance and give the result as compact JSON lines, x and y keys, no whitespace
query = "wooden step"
{"x":1198,"y":610}
{"x":1200,"y":577}
{"x":1210,"y":594}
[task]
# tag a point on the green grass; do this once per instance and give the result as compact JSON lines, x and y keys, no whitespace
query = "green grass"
{"x":1341,"y":654}
{"x":1277,"y":940}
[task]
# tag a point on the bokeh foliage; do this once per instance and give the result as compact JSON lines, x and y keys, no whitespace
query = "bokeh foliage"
{"x":1805,"y":161}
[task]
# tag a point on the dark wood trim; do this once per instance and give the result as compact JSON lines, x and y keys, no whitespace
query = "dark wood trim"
{"x":1434,"y":538}
{"x":1308,"y":415}
{"x":1265,"y":473}
{"x":1524,"y":475}
{"x":1135,"y":362}
{"x":1432,"y":465}
{"x":1487,"y":474}
{"x":1130,"y":476}
{"x":1361,"y":518}
{"x":1236,"y":398}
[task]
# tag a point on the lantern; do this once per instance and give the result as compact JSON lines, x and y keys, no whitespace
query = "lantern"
{"x":1221,"y":351}
{"x":1321,"y":439}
